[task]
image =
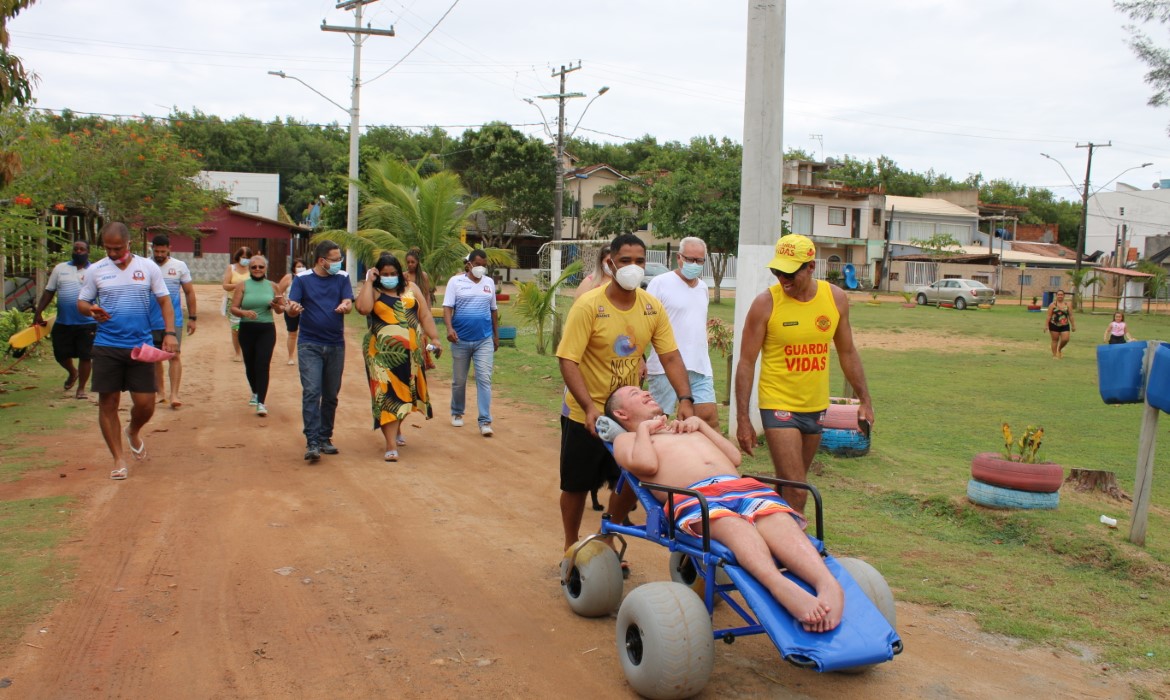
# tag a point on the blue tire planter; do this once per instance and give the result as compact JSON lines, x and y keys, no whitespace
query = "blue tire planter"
{"x":844,"y":443}
{"x":999,"y":497}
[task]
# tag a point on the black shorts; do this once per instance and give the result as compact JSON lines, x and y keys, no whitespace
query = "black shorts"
{"x":586,"y":464}
{"x":807,"y":423}
{"x":114,"y":371}
{"x":73,"y":341}
{"x":156,"y":338}
{"x":1117,"y":339}
{"x":1058,"y":329}
{"x":292,"y":323}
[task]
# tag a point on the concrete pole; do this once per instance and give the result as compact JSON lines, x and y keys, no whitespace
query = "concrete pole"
{"x":560,"y":183}
{"x":351,"y":214}
{"x":761,"y":196}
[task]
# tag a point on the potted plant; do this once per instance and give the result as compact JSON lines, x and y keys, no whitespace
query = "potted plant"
{"x":1014,"y":477}
{"x":908,"y":300}
{"x":834,"y":277}
{"x":1035,"y":305}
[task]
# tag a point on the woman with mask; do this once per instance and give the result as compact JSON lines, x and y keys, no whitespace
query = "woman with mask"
{"x":253,"y":302}
{"x":398,"y":316}
{"x":237,"y":272}
{"x":291,"y":323}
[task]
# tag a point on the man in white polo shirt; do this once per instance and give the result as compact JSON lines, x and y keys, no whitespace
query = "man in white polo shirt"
{"x":126,"y":283}
{"x":683,"y":293}
{"x":473,"y":329}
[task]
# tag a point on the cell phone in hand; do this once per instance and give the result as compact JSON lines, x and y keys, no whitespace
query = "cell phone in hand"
{"x":865,"y":426}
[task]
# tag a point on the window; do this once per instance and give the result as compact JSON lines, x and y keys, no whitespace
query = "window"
{"x":981,"y":279}
{"x":836,"y":216}
{"x":834,"y":258}
{"x":1054,"y":281}
{"x":1025,"y":280}
{"x":249,"y":204}
{"x":877,"y":217}
{"x":893,"y":276}
{"x":802,"y":219}
{"x":199,"y":247}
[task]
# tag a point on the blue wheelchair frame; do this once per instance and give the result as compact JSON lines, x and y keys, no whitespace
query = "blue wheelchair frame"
{"x":864,"y":636}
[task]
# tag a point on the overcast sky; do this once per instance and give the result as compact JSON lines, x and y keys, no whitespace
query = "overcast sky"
{"x":961,"y":87}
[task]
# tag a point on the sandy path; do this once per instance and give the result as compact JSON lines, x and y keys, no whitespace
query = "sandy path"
{"x":435,"y":577}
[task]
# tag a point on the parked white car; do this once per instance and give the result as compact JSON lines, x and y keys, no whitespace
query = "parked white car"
{"x":960,"y":292}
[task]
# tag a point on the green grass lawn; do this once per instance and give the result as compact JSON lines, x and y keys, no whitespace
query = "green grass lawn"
{"x":1047,"y":576}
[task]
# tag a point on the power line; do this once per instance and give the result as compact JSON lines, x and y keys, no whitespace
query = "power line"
{"x":420,"y":41}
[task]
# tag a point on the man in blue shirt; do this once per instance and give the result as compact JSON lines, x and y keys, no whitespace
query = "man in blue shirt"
{"x":321,"y":299}
{"x":72,"y":333}
{"x":125,"y":283}
{"x":473,"y":328}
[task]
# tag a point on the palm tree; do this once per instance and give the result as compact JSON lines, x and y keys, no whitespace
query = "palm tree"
{"x":401,"y":209}
{"x":1080,"y":279}
{"x":535,"y":305}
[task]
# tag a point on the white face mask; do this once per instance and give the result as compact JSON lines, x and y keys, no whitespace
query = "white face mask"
{"x":244,"y":262}
{"x":629,"y":277}
{"x":478,"y":271}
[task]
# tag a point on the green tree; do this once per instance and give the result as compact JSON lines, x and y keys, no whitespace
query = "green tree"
{"x":1155,"y":285}
{"x":519,"y":172}
{"x":401,"y":209}
{"x":701,"y":199}
{"x":137,"y":173}
{"x":535,"y":304}
{"x":15,"y":82}
{"x":1154,"y":56}
{"x":1080,"y":280}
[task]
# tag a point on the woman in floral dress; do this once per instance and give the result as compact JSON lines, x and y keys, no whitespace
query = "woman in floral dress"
{"x":398,"y":315}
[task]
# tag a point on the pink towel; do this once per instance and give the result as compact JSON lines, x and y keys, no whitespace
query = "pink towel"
{"x":149,"y":353}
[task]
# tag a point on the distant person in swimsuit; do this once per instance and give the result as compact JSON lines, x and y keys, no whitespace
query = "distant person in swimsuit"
{"x":1059,"y":324}
{"x":690,"y":454}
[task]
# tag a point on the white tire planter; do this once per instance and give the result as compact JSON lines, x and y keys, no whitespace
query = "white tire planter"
{"x":593,"y":583}
{"x":665,"y":641}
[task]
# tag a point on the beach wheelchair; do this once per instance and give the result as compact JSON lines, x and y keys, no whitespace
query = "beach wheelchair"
{"x":665,"y":634}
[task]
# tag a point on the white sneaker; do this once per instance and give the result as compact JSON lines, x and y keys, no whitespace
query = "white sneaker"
{"x":457,"y":421}
{"x":261,"y":410}
{"x":254,"y":400}
{"x":485,"y":429}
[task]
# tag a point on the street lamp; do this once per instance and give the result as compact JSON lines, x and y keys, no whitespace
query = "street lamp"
{"x":560,"y":97}
{"x":1085,"y":199}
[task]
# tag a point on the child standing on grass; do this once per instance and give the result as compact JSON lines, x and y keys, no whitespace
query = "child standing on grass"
{"x":1117,"y":331}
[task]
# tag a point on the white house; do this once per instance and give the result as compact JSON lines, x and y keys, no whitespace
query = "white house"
{"x":1138,"y":214}
{"x":256,"y":193}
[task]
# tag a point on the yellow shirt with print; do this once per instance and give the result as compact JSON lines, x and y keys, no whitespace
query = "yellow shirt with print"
{"x":607,"y":343}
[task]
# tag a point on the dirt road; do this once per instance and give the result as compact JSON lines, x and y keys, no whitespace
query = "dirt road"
{"x":227,"y":567}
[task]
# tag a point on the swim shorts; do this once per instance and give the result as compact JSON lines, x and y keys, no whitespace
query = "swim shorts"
{"x":729,"y":496}
{"x":807,"y":423}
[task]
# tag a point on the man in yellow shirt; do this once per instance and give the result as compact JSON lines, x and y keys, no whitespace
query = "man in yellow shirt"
{"x":793,"y":323}
{"x":606,"y":335}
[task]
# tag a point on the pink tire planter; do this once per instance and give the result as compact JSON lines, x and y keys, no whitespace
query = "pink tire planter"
{"x":991,"y":468}
{"x":842,"y":416}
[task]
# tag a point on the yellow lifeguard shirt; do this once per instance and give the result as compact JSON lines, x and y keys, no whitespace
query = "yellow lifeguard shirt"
{"x":794,"y":367}
{"x":607,"y":343}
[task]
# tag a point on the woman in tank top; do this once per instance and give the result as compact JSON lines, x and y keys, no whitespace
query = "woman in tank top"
{"x":253,"y":302}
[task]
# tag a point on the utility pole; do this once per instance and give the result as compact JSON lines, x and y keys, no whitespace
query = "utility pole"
{"x":1085,"y":202}
{"x":356,"y":34}
{"x":560,"y":97}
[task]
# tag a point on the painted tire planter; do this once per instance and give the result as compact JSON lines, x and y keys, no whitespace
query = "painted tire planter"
{"x":841,"y":416}
{"x":999,"y":497}
{"x":991,"y":468}
{"x":844,"y":443}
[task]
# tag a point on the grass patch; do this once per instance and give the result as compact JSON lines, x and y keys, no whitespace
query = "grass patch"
{"x":31,"y":573}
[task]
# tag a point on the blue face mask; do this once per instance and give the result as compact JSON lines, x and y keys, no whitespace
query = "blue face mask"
{"x":692,"y":270}
{"x":390,"y":282}
{"x":335,"y":267}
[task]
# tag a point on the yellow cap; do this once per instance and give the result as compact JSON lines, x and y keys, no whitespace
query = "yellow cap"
{"x":792,"y":251}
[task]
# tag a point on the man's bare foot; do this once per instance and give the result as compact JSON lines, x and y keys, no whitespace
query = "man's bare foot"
{"x":176,"y":403}
{"x":832,"y":597}
{"x":802,"y":605}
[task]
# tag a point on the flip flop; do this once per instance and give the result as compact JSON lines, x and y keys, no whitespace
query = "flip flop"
{"x":120,"y":474}
{"x":391,"y":456}
{"x":400,"y":441}
{"x":176,"y":404}
{"x":83,"y":396}
{"x":138,"y":452}
{"x":69,"y":383}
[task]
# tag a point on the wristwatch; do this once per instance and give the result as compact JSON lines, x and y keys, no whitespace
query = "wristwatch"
{"x":193,"y":318}
{"x":686,"y":398}
{"x":171,"y":333}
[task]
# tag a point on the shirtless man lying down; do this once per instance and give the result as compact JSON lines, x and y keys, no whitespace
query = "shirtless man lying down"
{"x":690,"y":454}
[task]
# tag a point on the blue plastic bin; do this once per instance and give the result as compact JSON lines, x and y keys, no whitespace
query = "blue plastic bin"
{"x":1049,"y":297}
{"x":1158,"y":388}
{"x":1119,"y":372}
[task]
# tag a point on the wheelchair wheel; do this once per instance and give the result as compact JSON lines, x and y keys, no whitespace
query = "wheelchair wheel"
{"x":874,"y":585}
{"x":682,"y":570}
{"x":593,"y":585}
{"x":664,"y":641}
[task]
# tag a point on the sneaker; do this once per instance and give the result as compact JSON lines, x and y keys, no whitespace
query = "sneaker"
{"x":327,"y":448}
{"x":457,"y":421}
{"x":313,"y":453}
{"x":261,"y":410}
{"x":485,"y":429}
{"x":255,"y":400}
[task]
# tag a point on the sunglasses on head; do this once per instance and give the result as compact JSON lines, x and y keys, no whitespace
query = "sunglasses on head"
{"x":790,"y":275}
